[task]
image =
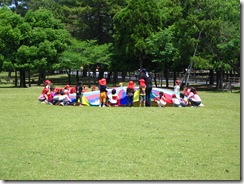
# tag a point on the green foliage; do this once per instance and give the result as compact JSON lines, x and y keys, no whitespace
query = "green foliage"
{"x":7,"y":65}
{"x":130,"y":26}
{"x":10,"y":35}
{"x":217,"y":28}
{"x":44,"y":42}
{"x":85,"y":53}
{"x":161,"y":46}
{"x":134,"y":24}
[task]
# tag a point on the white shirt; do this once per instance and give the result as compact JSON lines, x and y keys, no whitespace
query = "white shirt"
{"x":176,"y":89}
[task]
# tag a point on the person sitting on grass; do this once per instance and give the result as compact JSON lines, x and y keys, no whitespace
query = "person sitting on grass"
{"x":50,"y":96}
{"x":73,"y":90}
{"x":113,"y":99}
{"x":64,"y":99}
{"x":161,"y":99}
{"x":93,"y":88}
{"x":186,"y":90}
{"x":47,"y":84}
{"x":194,"y":98}
{"x":44,"y":96}
{"x":67,"y":89}
{"x":176,"y":101}
{"x":183,"y":100}
{"x":56,"y":96}
{"x":85,"y":89}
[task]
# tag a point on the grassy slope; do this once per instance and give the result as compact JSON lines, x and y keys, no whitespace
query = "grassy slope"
{"x":42,"y":142}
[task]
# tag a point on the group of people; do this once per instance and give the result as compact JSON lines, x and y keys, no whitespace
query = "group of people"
{"x":60,"y":96}
{"x":145,"y":89}
{"x":189,"y":97}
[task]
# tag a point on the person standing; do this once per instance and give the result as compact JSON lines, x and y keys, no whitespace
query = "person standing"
{"x":148,"y":80}
{"x":78,"y":93}
{"x":142,"y":92}
{"x":130,"y":94}
{"x":103,"y":92}
{"x":177,"y":87}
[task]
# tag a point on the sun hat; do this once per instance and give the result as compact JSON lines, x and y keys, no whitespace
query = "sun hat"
{"x":102,"y":82}
{"x":131,"y":84}
{"x":177,"y":82}
{"x":47,"y":82}
{"x":67,"y":86}
{"x":174,"y":96}
{"x":142,"y":82}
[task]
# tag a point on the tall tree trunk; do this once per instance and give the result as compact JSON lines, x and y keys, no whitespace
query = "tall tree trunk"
{"x":141,"y":64}
{"x":218,"y":79}
{"x":89,"y":76}
{"x":115,"y":78}
{"x":16,"y":78}
{"x":123,"y":76}
{"x":84,"y":72}
{"x":101,"y":72}
{"x":22,"y":79}
{"x":29,"y":76}
{"x":68,"y":71}
{"x":174,"y":78}
{"x":166,"y":78}
{"x":155,"y":79}
{"x":9,"y":74}
{"x":94,"y":75}
{"x":42,"y":77}
{"x":221,"y":77}
{"x":109,"y":77}
{"x":211,"y":77}
{"x":77,"y":76}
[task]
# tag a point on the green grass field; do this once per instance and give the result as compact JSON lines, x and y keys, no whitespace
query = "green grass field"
{"x":43,"y":142}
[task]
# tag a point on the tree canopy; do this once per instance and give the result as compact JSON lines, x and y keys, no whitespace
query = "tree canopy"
{"x":120,"y":34}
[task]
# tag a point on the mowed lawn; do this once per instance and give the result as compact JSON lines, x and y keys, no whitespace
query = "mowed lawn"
{"x":44,"y":142}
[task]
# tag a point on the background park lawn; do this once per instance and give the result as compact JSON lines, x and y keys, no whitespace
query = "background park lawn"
{"x":44,"y":142}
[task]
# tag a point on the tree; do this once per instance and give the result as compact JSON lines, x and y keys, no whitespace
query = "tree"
{"x":35,"y":41}
{"x":162,"y":50}
{"x":85,"y":20}
{"x":133,"y":25}
{"x":98,"y":56}
{"x":11,"y":25}
{"x":49,"y":38}
{"x":72,"y":58}
{"x":204,"y":31}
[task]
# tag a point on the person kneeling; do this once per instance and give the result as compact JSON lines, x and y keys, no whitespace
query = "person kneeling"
{"x":176,"y":101}
{"x":113,"y":99}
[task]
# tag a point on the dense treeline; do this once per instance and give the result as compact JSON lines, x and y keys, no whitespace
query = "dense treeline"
{"x":119,"y":35}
